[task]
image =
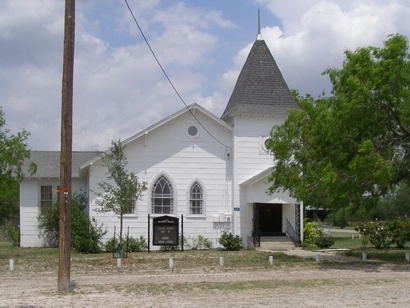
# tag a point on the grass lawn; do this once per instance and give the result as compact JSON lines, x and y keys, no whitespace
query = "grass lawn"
{"x":46,"y":259}
{"x":351,"y":241}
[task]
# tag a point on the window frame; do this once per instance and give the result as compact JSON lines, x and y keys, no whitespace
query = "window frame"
{"x":199,"y":208}
{"x":46,"y":198}
{"x":159,"y":198}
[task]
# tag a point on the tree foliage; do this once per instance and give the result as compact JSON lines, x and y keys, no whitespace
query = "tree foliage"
{"x":122,"y":189}
{"x":395,"y":205}
{"x":13,"y":152}
{"x":85,"y":233}
{"x":352,"y":147}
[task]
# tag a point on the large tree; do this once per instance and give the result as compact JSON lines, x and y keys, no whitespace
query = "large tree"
{"x":13,"y":152}
{"x":122,"y":190}
{"x":352,"y":147}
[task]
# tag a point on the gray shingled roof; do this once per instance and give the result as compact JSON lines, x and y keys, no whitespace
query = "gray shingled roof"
{"x":48,"y":163}
{"x":260,"y":89}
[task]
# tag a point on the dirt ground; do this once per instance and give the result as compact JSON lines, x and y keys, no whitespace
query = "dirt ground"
{"x":330,"y":285}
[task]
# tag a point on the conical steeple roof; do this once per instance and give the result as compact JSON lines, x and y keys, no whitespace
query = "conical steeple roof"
{"x":260,"y":89}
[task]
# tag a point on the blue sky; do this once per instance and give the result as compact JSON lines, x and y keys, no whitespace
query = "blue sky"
{"x":118,"y":87}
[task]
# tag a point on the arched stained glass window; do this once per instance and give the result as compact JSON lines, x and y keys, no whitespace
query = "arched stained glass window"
{"x":162,"y":197}
{"x":196,"y":199}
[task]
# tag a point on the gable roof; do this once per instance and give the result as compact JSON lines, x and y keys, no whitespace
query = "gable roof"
{"x":48,"y":163}
{"x":191,"y":108}
{"x":260,"y":89}
{"x":257,"y":178}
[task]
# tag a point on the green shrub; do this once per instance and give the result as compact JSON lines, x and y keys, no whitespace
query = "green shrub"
{"x":364,"y":241}
{"x":12,"y":232}
{"x":199,"y":242}
{"x":204,"y":242}
{"x":111,"y":245}
{"x":133,"y":244}
{"x":48,"y":224}
{"x":230,"y":241}
{"x":384,"y":234}
{"x":86,"y":235}
{"x":310,"y":231}
{"x":324,"y":241}
{"x":165,"y":248}
{"x":400,"y":232}
{"x":137,"y":245}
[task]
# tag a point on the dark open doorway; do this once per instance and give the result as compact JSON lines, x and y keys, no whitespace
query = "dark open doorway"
{"x":268,"y":219}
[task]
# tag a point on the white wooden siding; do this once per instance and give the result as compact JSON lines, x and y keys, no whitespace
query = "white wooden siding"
{"x":168,"y":150}
{"x":249,"y":160}
{"x":29,"y":207}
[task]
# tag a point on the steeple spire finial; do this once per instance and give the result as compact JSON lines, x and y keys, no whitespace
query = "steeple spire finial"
{"x":259,"y":36}
{"x":259,"y":21}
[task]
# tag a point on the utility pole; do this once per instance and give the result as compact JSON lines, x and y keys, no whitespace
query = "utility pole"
{"x":64,"y":239}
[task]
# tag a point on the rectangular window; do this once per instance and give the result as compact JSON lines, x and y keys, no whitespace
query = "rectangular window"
{"x":58,"y":194}
{"x":131,"y":210}
{"x":46,"y":196}
{"x":196,"y":206}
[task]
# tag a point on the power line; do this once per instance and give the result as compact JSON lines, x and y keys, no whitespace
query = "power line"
{"x":167,"y":77}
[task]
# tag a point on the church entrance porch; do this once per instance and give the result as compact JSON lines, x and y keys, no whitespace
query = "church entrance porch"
{"x":268,"y":219}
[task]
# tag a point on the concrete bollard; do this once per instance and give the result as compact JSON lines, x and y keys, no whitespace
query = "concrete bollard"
{"x":171,"y":264}
{"x":352,"y":236}
{"x":364,"y":257}
{"x":318,"y":258}
{"x":11,"y":265}
{"x":119,"y":263}
{"x":270,"y":260}
{"x":407,"y":256}
{"x":221,"y":261}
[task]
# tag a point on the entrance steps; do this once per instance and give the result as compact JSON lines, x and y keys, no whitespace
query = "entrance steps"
{"x":276,"y":243}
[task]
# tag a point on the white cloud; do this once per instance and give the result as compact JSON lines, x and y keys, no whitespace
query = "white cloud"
{"x":124,"y":88}
{"x":316,"y":33}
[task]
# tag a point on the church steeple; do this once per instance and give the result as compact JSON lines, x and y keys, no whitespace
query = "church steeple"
{"x":260,"y":89}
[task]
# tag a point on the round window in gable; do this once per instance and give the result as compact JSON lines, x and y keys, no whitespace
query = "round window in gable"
{"x":267,"y":141}
{"x":265,"y":144}
{"x":192,"y":131}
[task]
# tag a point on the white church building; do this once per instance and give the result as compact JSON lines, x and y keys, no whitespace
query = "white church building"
{"x":211,"y":171}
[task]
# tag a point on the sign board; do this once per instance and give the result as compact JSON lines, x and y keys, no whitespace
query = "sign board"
{"x":165,"y":230}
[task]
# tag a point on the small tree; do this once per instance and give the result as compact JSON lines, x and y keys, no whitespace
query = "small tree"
{"x":13,"y":152}
{"x":123,"y":188}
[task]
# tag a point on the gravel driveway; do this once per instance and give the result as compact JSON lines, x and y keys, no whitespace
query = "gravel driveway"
{"x":319,"y":285}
